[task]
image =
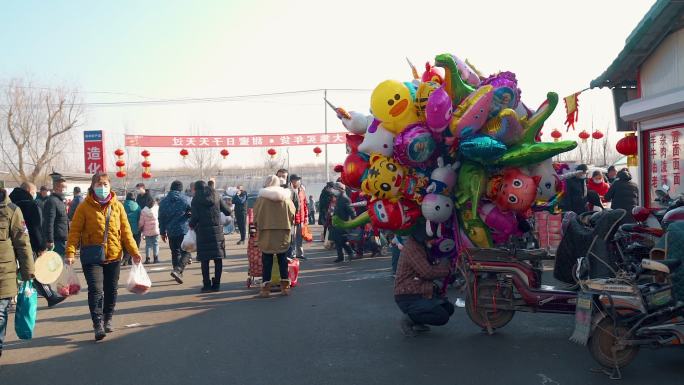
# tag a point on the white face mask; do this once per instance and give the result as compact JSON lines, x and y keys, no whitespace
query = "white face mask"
{"x":598,"y":180}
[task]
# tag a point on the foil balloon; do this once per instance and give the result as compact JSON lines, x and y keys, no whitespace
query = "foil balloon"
{"x":422,"y":97}
{"x":506,"y":91}
{"x":433,"y":74}
{"x":358,"y":124}
{"x":354,"y":169}
{"x":437,"y":208}
{"x":483,"y":149}
{"x":442,"y":178}
{"x":385,"y":178}
{"x":438,"y":111}
{"x":472,"y":114}
{"x":549,"y":182}
{"x":389,"y":215}
{"x":353,"y":142}
{"x":415,"y":147}
{"x":443,"y":243}
{"x":513,"y":191}
{"x":475,"y":229}
{"x":392,"y":102}
{"x":472,"y":181}
{"x":377,"y":141}
{"x":504,"y":127}
{"x":501,"y":225}
{"x":457,"y":88}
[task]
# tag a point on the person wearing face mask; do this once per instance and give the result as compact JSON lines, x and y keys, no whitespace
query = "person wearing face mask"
{"x":575,"y":198}
{"x":55,"y":218}
{"x":101,"y":220}
{"x":596,"y":183}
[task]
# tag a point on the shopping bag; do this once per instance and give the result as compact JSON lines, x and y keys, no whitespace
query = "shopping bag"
{"x":138,"y":280}
{"x":306,"y":233}
{"x":68,"y":282}
{"x":27,"y":308}
{"x":189,"y":243}
{"x":293,"y":271}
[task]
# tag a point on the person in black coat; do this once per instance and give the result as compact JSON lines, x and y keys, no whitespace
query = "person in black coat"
{"x":205,"y":220}
{"x":23,"y":197}
{"x":576,"y":191}
{"x":343,"y":210}
{"x":55,"y":219}
{"x":240,"y":202}
{"x":323,"y":203}
{"x":623,"y":194}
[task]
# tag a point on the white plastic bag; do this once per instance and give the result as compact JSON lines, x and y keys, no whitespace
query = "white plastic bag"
{"x":189,"y":243}
{"x":138,"y":280}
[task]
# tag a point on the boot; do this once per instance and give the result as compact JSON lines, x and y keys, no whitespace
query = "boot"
{"x":285,"y":287}
{"x":215,"y":285}
{"x":265,"y":290}
{"x":147,"y":261}
{"x":108,"y":328}
{"x":99,"y":331}
{"x":206,"y":287}
{"x":156,"y":259}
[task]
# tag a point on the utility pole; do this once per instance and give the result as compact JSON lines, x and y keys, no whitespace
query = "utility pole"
{"x":325,"y":111}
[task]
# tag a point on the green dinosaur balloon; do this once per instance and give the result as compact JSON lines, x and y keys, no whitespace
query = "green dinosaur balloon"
{"x":360,"y":220}
{"x":476,"y":230}
{"x":527,"y":150}
{"x":472,"y":180}
{"x":456,"y":87}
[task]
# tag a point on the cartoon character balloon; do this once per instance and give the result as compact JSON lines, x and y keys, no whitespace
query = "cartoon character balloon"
{"x":513,"y":191}
{"x":389,"y":215}
{"x":415,"y":147}
{"x":472,"y":113}
{"x":358,"y":124}
{"x":444,"y":243}
{"x":442,"y":178}
{"x":422,"y":97}
{"x":385,"y":178}
{"x":549,"y":183}
{"x":438,"y":111}
{"x":506,"y":92}
{"x":392,"y":102}
{"x":437,"y":208}
{"x":377,"y":141}
{"x":353,"y":142}
{"x":433,"y":74}
{"x":501,"y":225}
{"x":354,"y":169}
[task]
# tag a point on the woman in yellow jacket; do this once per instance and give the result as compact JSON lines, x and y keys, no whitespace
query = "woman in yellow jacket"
{"x":87,"y":229}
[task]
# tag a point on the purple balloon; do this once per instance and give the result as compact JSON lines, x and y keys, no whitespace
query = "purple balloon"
{"x":438,"y":111}
{"x":415,"y":147}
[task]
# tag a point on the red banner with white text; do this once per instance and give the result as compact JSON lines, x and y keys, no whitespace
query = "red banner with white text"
{"x":236,"y":141}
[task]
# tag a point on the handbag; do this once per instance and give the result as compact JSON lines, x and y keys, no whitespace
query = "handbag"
{"x":95,"y":254}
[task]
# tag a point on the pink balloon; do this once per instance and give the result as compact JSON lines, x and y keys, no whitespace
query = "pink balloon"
{"x":501,"y":225}
{"x":438,"y":111}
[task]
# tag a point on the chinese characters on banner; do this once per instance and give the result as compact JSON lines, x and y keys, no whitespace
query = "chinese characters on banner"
{"x":236,"y":141}
{"x":93,"y":152}
{"x":663,"y":163}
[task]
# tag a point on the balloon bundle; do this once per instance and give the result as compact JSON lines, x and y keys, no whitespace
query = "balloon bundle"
{"x":451,"y":149}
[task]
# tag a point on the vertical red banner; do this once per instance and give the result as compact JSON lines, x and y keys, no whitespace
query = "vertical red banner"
{"x":93,"y":152}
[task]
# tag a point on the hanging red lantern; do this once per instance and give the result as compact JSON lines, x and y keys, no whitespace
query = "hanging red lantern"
{"x":317,"y":150}
{"x":556,"y":135}
{"x":120,"y":163}
{"x":183,"y":153}
{"x":272,"y":152}
{"x":584,"y":135}
{"x":224,"y":153}
{"x":597,"y":135}
{"x":628,"y":146}
{"x":145,"y":153}
{"x":146,"y":175}
{"x":119,"y":152}
{"x":121,"y":174}
{"x":146,"y":164}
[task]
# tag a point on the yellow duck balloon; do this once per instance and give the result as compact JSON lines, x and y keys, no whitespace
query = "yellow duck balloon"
{"x":392,"y":103}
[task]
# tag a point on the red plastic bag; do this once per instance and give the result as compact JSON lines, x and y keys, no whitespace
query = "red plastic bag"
{"x":293,"y":271}
{"x":138,"y":280}
{"x":68,"y":283}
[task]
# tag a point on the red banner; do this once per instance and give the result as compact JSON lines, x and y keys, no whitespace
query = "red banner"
{"x":93,"y":151}
{"x":236,"y":141}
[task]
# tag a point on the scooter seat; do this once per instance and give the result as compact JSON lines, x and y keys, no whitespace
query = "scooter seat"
{"x":530,"y":254}
{"x":663,"y":266}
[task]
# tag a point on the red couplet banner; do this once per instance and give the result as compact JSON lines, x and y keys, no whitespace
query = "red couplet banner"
{"x":236,"y":141}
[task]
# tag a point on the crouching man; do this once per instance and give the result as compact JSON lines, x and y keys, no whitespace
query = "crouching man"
{"x":414,"y":289}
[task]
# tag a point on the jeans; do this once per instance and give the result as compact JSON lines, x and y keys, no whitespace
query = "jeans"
{"x":298,"y":240}
{"x":433,"y":311}
{"x":312,"y":218}
{"x":4,"y":305}
{"x":395,"y":258}
{"x":218,"y":269}
{"x":152,"y":243}
{"x":267,"y":261}
{"x":103,"y":280}
{"x":179,"y":257}
{"x":60,"y":247}
{"x":241,"y":219}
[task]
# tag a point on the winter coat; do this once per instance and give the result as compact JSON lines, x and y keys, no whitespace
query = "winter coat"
{"x":55,"y":219}
{"x":323,"y":203}
{"x":133,"y":214}
{"x":623,"y":194}
{"x":33,"y":216}
{"x":149,"y":221}
{"x":87,"y":228}
{"x":302,"y":215}
{"x":14,"y":246}
{"x":142,"y":200}
{"x":274,"y":212}
{"x":600,"y":188}
{"x":174,"y":214}
{"x":41,"y":202}
{"x":312,"y":207}
{"x":240,"y":202}
{"x":206,"y":221}
{"x":575,"y":195}
{"x":78,"y":199}
{"x":345,"y":211}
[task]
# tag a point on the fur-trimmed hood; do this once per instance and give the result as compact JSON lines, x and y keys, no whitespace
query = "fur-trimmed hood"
{"x":275,"y":193}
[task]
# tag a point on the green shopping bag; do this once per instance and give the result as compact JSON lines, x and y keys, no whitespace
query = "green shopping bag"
{"x":27,"y":308}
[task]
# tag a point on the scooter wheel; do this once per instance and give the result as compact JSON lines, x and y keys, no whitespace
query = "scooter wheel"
{"x":489,"y":318}
{"x":603,"y":341}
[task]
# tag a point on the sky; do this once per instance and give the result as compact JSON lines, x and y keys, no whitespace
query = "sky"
{"x":129,"y":50}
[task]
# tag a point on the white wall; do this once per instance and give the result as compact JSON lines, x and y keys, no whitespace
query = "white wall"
{"x":664,"y":69}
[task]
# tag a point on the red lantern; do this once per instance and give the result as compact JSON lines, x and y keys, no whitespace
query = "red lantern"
{"x":628,"y":146}
{"x":146,"y":164}
{"x":184,"y":153}
{"x":584,"y":135}
{"x":224,"y":153}
{"x":120,"y":163}
{"x":121,"y":174}
{"x":146,"y":175}
{"x":272,"y":152}
{"x":145,"y":153}
{"x":119,"y":152}
{"x":597,"y":135}
{"x":317,"y":150}
{"x":556,"y":135}
{"x":338,"y":168}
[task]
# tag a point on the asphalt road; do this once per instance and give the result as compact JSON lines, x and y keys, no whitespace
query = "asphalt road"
{"x":340,"y":326}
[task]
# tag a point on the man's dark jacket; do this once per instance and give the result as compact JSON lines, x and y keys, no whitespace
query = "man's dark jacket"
{"x":55,"y":219}
{"x":33,"y":216}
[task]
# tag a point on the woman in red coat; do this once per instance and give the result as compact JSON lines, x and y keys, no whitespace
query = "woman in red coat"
{"x":596,"y":183}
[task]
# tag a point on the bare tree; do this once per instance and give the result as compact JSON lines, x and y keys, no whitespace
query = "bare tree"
{"x":35,"y":127}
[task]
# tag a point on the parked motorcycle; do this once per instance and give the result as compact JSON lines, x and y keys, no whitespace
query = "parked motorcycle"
{"x":500,"y":282}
